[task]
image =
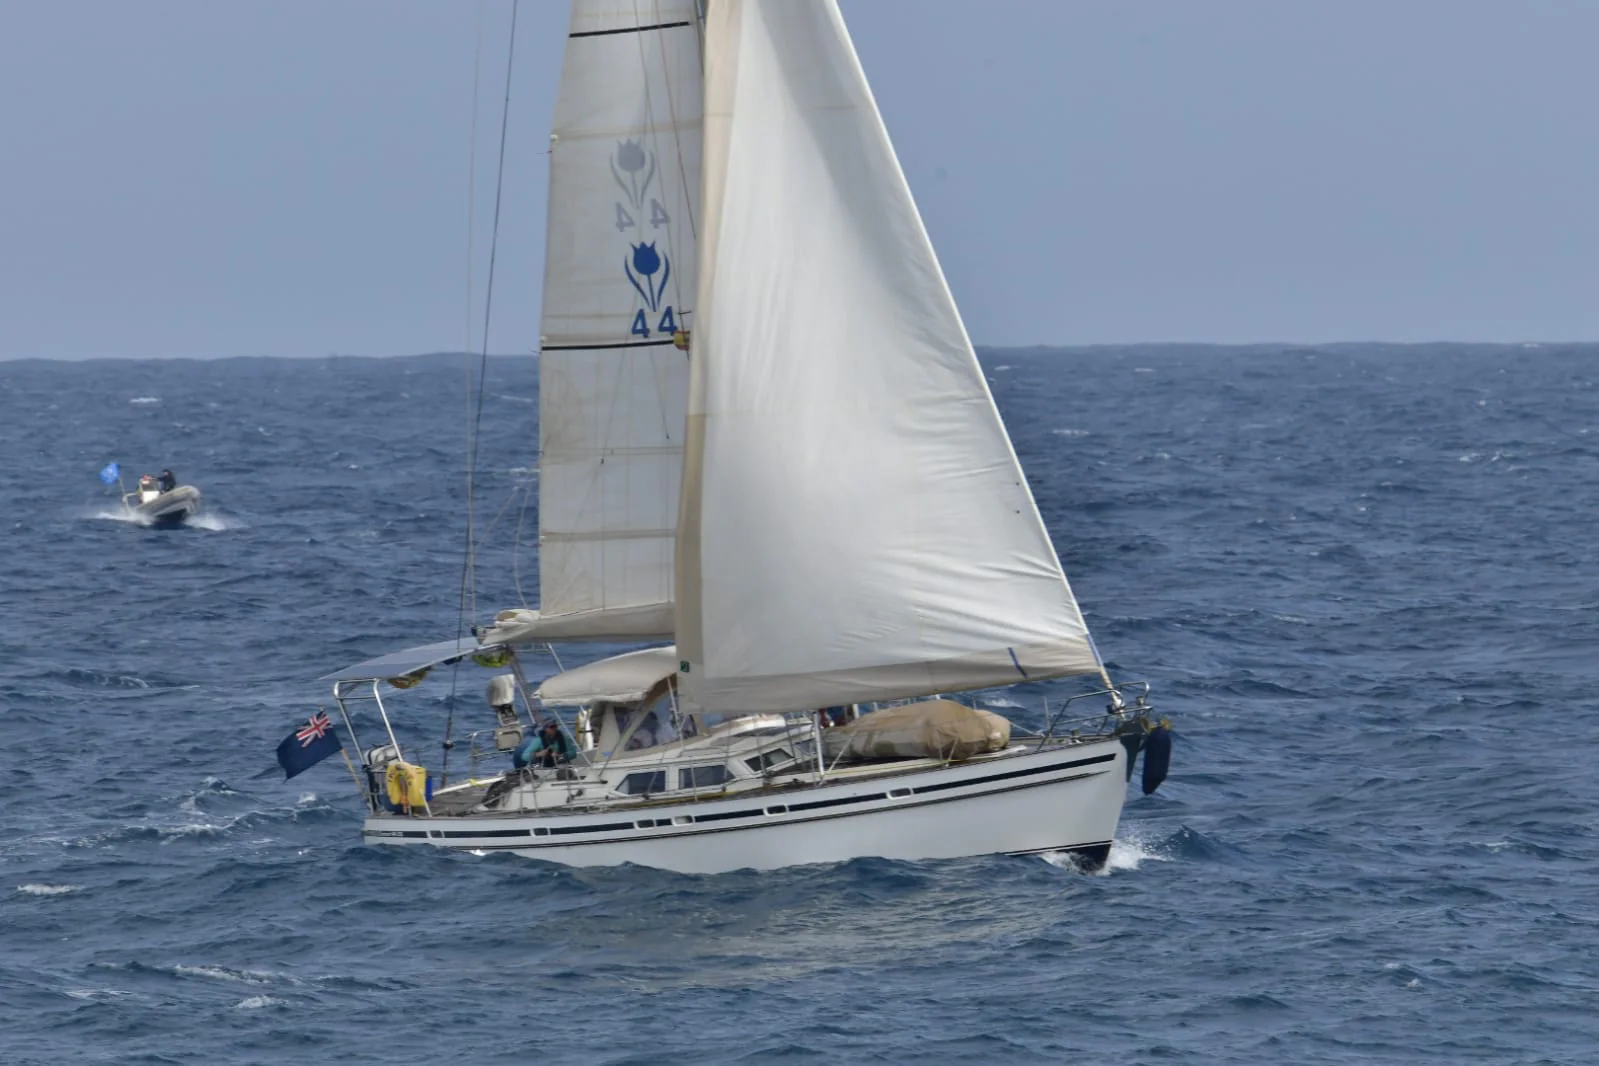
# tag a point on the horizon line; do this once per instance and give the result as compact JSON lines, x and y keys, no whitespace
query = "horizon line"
{"x":1285,"y":346}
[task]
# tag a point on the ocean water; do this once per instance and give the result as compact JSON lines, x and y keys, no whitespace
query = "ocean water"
{"x":1361,"y":580}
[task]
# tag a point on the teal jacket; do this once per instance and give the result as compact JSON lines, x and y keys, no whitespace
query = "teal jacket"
{"x":561,"y":749}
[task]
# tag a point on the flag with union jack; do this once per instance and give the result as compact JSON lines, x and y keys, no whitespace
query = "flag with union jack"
{"x":308,"y":745}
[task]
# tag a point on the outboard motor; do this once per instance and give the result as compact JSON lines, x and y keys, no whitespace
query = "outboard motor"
{"x":501,"y":697}
{"x":373,"y":762}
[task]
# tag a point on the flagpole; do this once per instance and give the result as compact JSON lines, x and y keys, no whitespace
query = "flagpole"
{"x":353,"y":775}
{"x":365,"y":792}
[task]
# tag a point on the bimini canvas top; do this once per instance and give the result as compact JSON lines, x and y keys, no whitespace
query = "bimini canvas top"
{"x":624,"y":678}
{"x":410,"y":660}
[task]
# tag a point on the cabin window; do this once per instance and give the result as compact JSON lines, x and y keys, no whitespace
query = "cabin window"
{"x":703,"y":776}
{"x":643,"y":781}
{"x":768,"y":759}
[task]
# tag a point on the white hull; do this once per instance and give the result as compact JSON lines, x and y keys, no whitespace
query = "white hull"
{"x":170,"y":508}
{"x":1065,"y":797}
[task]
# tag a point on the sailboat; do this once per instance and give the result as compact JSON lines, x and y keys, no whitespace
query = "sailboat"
{"x":767,"y":450}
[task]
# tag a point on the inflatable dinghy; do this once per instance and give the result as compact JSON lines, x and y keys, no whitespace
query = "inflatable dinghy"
{"x":155,"y":507}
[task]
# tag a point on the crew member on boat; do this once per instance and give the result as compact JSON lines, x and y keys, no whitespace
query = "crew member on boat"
{"x":168,"y":481}
{"x":548,"y":747}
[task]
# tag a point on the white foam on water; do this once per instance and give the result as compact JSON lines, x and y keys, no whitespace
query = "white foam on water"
{"x":1127,"y":852}
{"x":1070,"y":432}
{"x":48,"y":890}
{"x":145,"y":399}
{"x":213,"y":522}
{"x":258,"y":1002}
{"x":117,"y":514}
{"x":97,"y":993}
{"x":219,"y":973}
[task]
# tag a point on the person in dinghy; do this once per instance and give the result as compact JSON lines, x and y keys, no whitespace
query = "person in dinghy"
{"x":159,"y":500}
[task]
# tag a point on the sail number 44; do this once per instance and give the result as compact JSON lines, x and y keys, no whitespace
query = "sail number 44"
{"x":641,"y":323}
{"x":658,"y":216}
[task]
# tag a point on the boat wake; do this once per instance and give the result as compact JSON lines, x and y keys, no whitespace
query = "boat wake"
{"x":1127,"y":852}
{"x":1130,"y":851}
{"x":210,"y":521}
{"x":116,"y":514}
{"x":213,"y":522}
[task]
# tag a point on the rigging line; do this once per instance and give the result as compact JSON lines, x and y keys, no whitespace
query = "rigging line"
{"x":471,"y":254}
{"x":654,"y":135}
{"x":516,"y":544}
{"x":671,"y":110}
{"x":506,"y":506}
{"x":468,"y":565}
{"x":687,"y":194}
{"x":468,"y":576}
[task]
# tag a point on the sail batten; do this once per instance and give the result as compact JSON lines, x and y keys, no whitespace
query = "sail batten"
{"x":855,"y":524}
{"x":620,"y":269}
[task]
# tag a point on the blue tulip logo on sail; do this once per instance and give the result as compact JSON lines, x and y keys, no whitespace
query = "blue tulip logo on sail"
{"x":646,"y":266}
{"x":630,"y":158}
{"x":646,"y":261}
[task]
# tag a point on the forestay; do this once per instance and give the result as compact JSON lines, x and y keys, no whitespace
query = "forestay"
{"x":855,"y":525}
{"x":619,"y":282}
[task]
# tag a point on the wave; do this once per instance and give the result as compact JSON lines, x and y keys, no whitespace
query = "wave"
{"x":215,"y":522}
{"x":99,"y":993}
{"x":1130,"y":850}
{"x":210,"y":521}
{"x":145,"y":399}
{"x":221,"y":973}
{"x":308,"y":806}
{"x":260,"y":1002}
{"x":117,"y":514}
{"x":49,"y":890}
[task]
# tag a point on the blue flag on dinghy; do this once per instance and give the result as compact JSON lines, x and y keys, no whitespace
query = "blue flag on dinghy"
{"x":308,"y":745}
{"x":111,"y":473}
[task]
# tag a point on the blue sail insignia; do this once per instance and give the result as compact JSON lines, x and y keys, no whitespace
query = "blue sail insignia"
{"x":646,"y":260}
{"x":646,"y":267}
{"x":630,"y":159}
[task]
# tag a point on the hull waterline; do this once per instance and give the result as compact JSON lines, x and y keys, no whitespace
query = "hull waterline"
{"x":171,"y":508}
{"x":1060,"y":799}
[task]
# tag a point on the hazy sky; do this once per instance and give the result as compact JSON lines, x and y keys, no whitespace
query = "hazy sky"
{"x":289,"y":177}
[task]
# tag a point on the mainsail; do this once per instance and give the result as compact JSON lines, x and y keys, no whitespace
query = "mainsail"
{"x":619,"y":284}
{"x":855,"y":524}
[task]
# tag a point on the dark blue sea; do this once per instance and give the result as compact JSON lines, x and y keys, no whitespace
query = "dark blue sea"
{"x":1361,"y":579}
